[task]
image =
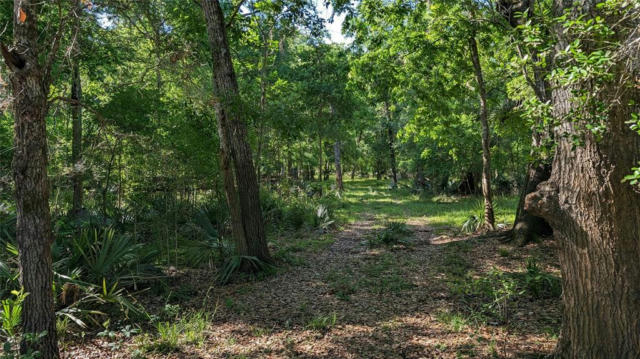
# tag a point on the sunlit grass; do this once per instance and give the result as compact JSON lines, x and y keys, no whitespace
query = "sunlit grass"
{"x":374,"y":198}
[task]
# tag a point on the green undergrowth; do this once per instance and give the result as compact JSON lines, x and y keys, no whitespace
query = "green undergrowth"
{"x":374,"y":198}
{"x":490,"y":297}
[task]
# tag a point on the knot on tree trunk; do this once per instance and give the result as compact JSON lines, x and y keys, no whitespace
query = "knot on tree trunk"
{"x":544,"y":202}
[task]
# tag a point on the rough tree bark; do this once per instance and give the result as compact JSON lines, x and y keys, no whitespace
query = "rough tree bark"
{"x":594,"y":215}
{"x":76,"y":141}
{"x":240,"y":180}
{"x":392,"y":149}
{"x":30,"y":86}
{"x":527,"y":226}
{"x":337,"y":155}
{"x":489,"y":219}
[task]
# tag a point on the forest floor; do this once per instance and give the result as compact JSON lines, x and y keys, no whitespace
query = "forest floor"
{"x":440,"y":294}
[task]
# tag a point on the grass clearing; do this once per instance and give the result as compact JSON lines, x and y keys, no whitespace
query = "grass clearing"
{"x":442,"y":211}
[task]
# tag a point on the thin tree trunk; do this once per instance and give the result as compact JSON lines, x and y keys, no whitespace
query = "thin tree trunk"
{"x":337,"y":154}
{"x":233,"y":138}
{"x":392,"y":149}
{"x":419,"y":181}
{"x":263,"y":104}
{"x":320,"y":154}
{"x":105,"y":189}
{"x":489,"y":220}
{"x":33,"y":229}
{"x":76,"y":141}
{"x":355,"y":161}
{"x":594,"y":215}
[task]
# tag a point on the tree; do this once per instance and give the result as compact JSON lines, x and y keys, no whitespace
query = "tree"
{"x":524,"y":17}
{"x":76,"y":114}
{"x":30,"y":79}
{"x":489,"y":219}
{"x":594,"y":213}
{"x":241,"y":184}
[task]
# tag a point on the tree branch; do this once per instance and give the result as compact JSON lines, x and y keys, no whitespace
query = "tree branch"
{"x":55,"y":46}
{"x":234,"y":13}
{"x":75,"y":102}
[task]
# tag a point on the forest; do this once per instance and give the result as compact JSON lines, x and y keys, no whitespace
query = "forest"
{"x":320,"y":179}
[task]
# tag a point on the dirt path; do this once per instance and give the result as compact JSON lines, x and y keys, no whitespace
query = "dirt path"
{"x":351,"y":301}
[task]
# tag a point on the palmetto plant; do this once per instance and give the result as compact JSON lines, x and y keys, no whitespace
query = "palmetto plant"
{"x":323,"y":217}
{"x":102,"y":254}
{"x":10,"y":312}
{"x":212,"y":247}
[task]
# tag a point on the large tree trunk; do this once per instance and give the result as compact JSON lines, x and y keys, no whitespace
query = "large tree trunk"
{"x":76,"y":141}
{"x":392,"y":148}
{"x":489,"y":220}
{"x":233,"y":139}
{"x":526,"y":225}
{"x":337,"y":155}
{"x":33,"y":231}
{"x":594,"y":216}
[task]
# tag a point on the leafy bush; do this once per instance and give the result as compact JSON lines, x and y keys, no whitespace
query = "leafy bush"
{"x":393,"y":233}
{"x":295,"y":212}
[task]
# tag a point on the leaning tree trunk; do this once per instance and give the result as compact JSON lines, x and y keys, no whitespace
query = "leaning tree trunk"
{"x":33,"y":231}
{"x":233,"y":138}
{"x":337,"y":155}
{"x":489,"y":220}
{"x":594,"y":214}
